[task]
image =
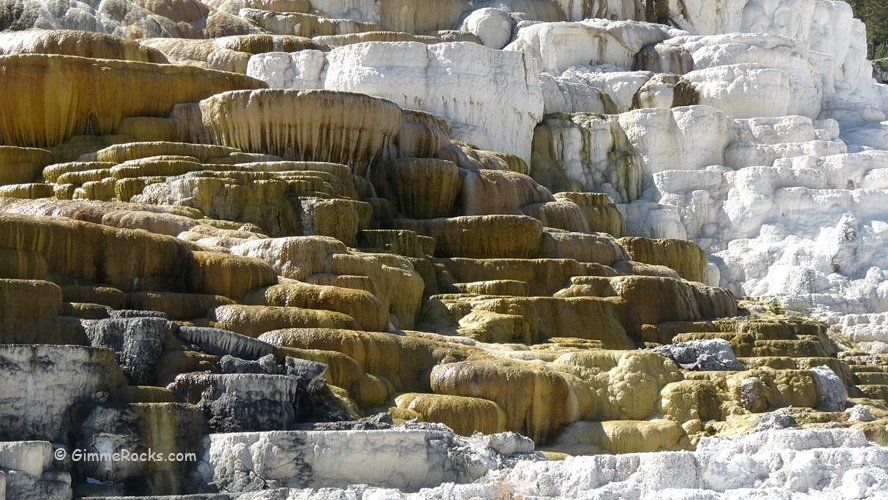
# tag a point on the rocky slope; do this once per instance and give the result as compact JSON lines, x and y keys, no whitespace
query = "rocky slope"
{"x":267,"y":233}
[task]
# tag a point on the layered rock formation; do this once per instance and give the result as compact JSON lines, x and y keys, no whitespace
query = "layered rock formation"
{"x":279,"y":236}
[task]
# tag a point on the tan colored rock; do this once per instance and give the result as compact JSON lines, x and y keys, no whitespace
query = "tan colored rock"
{"x":598,"y":248}
{"x":285,"y":123}
{"x":22,"y":165}
{"x":765,"y":390}
{"x":419,"y":188}
{"x":200,"y":53}
{"x":681,"y":255}
{"x":221,"y":24}
{"x":535,"y":399}
{"x":495,"y":287}
{"x":342,"y":370}
{"x":534,"y":319}
{"x":464,"y":415}
{"x":359,"y":304}
{"x":233,"y":6}
{"x":253,"y":321}
{"x":306,"y":25}
{"x":625,"y":385}
{"x":54,"y":172}
{"x":422,"y":134}
{"x":543,"y":276}
{"x":366,"y":36}
{"x":599,"y":211}
{"x":498,"y":192}
{"x":481,"y":237}
{"x":296,"y":257}
{"x":262,"y":202}
{"x":688,"y":400}
{"x":29,"y":312}
{"x":228,"y":275}
{"x":147,"y":128}
{"x":259,"y":44}
{"x":562,"y":214}
{"x":469,"y":157}
{"x":64,"y":114}
{"x":131,"y":260}
{"x":30,"y":191}
{"x":340,"y":219}
{"x":654,"y":300}
{"x":621,"y":436}
{"x":77,"y":43}
{"x":404,"y":361}
{"x":177,"y":306}
{"x":176,"y":362}
{"x":107,"y":296}
{"x":420,"y":17}
{"x":120,"y":153}
{"x":16,"y":263}
{"x":401,"y":242}
{"x":395,"y":282}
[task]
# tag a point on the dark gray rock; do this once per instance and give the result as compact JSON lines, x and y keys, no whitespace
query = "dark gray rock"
{"x":880,"y":70}
{"x":134,"y":313}
{"x":243,"y":402}
{"x":137,"y":342}
{"x":713,"y":354}
{"x":265,"y":364}
{"x":221,"y":342}
{"x":779,"y":419}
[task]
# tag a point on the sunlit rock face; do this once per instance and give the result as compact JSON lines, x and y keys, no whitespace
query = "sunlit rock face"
{"x":359,"y":127}
{"x":300,"y":239}
{"x":498,"y":113}
{"x":97,"y":94}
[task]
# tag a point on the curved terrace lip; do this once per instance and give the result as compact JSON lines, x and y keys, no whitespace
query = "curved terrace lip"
{"x":443,"y":249}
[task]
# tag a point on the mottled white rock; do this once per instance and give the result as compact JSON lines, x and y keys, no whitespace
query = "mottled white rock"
{"x":32,"y":457}
{"x":410,"y":458}
{"x":833,"y":393}
{"x":490,"y":98}
{"x":558,"y":46}
{"x":492,"y":26}
{"x":42,"y":382}
{"x":814,"y":463}
{"x":289,"y":70}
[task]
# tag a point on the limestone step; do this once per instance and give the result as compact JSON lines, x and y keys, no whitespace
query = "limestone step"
{"x":875,"y":391}
{"x":742,"y":343}
{"x":867,"y":368}
{"x":803,"y":348}
{"x":620,"y":436}
{"x":871,"y":378}
{"x":789,"y":363}
{"x":398,"y":241}
{"x":512,"y":288}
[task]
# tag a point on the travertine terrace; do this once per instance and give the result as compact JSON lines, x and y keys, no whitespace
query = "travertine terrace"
{"x":442,"y":249}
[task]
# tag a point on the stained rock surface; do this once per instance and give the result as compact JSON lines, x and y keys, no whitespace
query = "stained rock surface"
{"x":427,"y":249}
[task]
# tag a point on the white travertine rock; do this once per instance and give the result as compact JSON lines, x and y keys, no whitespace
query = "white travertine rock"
{"x":492,"y":26}
{"x":558,"y":46}
{"x":42,"y":382}
{"x":289,"y":70}
{"x":406,"y":458}
{"x":490,"y":98}
{"x":589,"y":88}
{"x":787,"y":463}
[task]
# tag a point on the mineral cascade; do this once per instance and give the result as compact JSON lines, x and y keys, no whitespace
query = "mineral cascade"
{"x":287,"y":249}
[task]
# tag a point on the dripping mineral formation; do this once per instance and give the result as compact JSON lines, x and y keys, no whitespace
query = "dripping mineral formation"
{"x":442,"y":249}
